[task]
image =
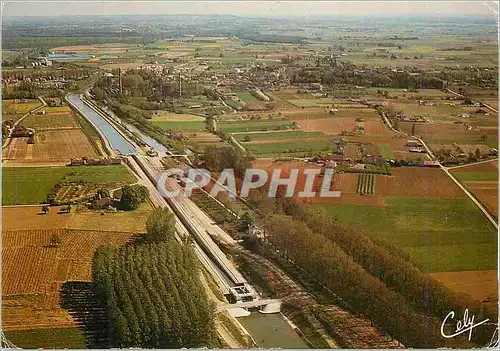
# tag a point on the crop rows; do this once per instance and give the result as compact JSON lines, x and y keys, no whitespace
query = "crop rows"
{"x":366,"y":184}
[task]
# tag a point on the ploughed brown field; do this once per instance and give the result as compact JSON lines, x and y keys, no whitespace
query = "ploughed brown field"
{"x":411,"y":182}
{"x":480,"y":167}
{"x":33,"y":272}
{"x":481,"y":285}
{"x":418,"y":182}
{"x":50,"y":145}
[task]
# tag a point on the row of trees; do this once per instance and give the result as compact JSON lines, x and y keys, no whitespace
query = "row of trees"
{"x":395,"y":271}
{"x":348,"y":261}
{"x":153,"y":293}
{"x":333,"y":267}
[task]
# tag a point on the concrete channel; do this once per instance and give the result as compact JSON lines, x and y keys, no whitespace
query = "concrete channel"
{"x":267,"y":330}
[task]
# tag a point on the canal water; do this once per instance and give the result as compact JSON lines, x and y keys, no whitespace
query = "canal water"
{"x":116,"y":140}
{"x":272,"y":331}
{"x":76,"y":57}
{"x":151,"y":142}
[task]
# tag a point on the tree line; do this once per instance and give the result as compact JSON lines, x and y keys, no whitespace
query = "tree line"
{"x":373,"y":277}
{"x":152,"y":291}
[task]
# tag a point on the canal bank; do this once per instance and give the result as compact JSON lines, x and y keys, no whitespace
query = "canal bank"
{"x":115,"y":140}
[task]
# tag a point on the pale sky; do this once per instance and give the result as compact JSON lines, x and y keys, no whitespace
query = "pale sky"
{"x":265,"y":8}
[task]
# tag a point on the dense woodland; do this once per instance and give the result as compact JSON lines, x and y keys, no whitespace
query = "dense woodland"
{"x":153,"y":292}
{"x":372,"y":277}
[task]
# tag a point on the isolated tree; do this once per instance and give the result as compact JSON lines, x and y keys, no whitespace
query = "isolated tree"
{"x":133,"y":196}
{"x":45,"y":209}
{"x":160,"y":225}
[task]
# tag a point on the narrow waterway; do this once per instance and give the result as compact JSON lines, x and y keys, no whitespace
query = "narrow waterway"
{"x":115,"y":139}
{"x":151,"y":142}
{"x":272,"y":331}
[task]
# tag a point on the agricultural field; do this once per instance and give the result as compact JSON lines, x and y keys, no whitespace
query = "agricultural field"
{"x":366,"y":184}
{"x":32,"y":305}
{"x":50,"y":338}
{"x":14,"y":109}
{"x":54,"y":118}
{"x":255,"y":125}
{"x":438,"y":134}
{"x":482,"y":180}
{"x":245,"y":96}
{"x":276,"y":135}
{"x":435,"y":232}
{"x":289,"y":147}
{"x":50,"y":146}
{"x":202,"y":139}
{"x":166,"y":116}
{"x":30,"y":217}
{"x":182,"y":126}
{"x":481,"y":285}
{"x":31,"y":185}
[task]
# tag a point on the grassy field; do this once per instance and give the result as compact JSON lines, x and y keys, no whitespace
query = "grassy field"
{"x":440,"y":235}
{"x":298,"y":148}
{"x":386,"y":151}
{"x":245,"y":95}
{"x":54,"y":338}
{"x":182,"y":126}
{"x":478,"y":176}
{"x":31,"y":185}
{"x":50,"y":121}
{"x":255,"y":125}
{"x":277,"y":135}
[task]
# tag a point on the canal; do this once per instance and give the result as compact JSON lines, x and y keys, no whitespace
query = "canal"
{"x":151,"y":142}
{"x":115,"y":139}
{"x":272,"y":331}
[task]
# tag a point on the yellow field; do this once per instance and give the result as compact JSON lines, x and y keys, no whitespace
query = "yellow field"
{"x":166,"y":116}
{"x":12,"y":107}
{"x":28,"y":217}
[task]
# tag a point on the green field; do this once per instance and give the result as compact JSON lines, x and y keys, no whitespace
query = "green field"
{"x":440,"y":235}
{"x":298,"y":148}
{"x":255,"y":125}
{"x":55,"y":338}
{"x":245,"y":95}
{"x":386,"y":151}
{"x":31,"y":185}
{"x":277,"y":135}
{"x":182,"y":126}
{"x":478,"y":176}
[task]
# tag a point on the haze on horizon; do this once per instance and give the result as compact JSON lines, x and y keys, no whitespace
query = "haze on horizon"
{"x":259,"y":8}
